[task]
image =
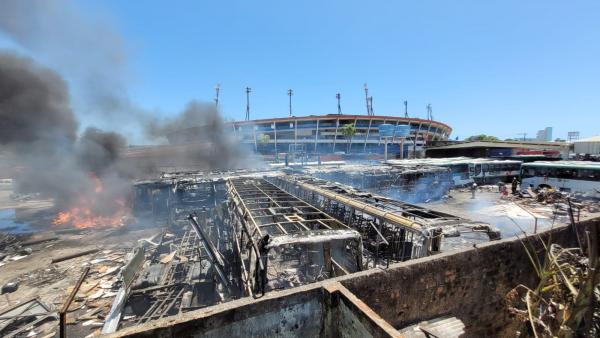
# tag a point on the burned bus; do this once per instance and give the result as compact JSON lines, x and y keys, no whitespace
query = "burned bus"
{"x":283,"y":242}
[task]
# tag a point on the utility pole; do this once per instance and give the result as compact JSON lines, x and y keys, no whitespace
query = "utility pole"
{"x":338,"y":97}
{"x":429,"y":112}
{"x":367,"y":99}
{"x":248,"y":90}
{"x":405,"y":108}
{"x":217,"y":89}
{"x":290,"y":93}
{"x":524,"y":136}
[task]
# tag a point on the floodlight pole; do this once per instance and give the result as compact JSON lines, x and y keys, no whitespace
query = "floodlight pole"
{"x":217,"y":89}
{"x":248,"y":90}
{"x":290,"y":93}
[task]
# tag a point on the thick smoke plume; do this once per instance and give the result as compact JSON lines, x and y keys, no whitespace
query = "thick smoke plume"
{"x":200,"y":123}
{"x":34,"y":105}
{"x":98,"y":151}
{"x":39,"y":130}
{"x":84,"y":49}
{"x":196,"y":114}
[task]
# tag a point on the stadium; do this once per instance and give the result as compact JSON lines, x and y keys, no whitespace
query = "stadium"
{"x":323,"y":134}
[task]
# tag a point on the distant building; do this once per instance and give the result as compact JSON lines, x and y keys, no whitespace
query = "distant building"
{"x":590,"y":146}
{"x":322,"y":134}
{"x":504,"y":149}
{"x":544,"y":134}
{"x":572,"y":136}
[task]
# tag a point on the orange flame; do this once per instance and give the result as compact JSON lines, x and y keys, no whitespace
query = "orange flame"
{"x":82,"y":214}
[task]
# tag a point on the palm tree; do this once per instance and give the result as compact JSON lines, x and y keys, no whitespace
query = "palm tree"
{"x":264,"y":138}
{"x":348,"y":131}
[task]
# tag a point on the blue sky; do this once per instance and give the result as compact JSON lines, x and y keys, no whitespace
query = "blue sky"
{"x":493,"y":67}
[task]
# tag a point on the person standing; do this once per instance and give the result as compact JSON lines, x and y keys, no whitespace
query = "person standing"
{"x":514,"y":185}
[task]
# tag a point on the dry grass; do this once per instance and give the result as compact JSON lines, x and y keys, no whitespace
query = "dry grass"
{"x":565,"y":302}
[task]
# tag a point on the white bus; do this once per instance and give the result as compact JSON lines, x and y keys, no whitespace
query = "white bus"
{"x":467,"y":170}
{"x":568,"y":176}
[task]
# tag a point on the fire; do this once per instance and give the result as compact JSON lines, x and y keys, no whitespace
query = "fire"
{"x":83,"y":214}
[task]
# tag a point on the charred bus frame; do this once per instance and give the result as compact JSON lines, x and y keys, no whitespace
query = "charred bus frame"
{"x":394,"y":230}
{"x":283,"y":241}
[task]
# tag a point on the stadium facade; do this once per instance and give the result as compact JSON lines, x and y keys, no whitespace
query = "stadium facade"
{"x":323,"y":134}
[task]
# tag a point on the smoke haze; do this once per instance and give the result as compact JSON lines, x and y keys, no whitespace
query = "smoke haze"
{"x":200,"y":122}
{"x":34,"y":104}
{"x":39,"y":128}
{"x":86,"y":50}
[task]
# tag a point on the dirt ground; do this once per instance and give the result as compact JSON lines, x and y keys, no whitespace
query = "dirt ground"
{"x":38,"y":277}
{"x":512,"y":216}
{"x":31,"y":267}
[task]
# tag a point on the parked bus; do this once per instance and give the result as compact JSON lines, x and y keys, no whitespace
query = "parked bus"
{"x":568,"y":176}
{"x":467,"y":170}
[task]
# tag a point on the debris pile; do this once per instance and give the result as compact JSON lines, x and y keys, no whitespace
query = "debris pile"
{"x":560,"y":200}
{"x":12,"y":248}
{"x":566,"y":300}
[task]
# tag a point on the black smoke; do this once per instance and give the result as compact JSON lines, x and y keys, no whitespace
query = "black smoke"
{"x":38,"y":129}
{"x":98,"y":151}
{"x":34,"y":105}
{"x":84,"y":48}
{"x":201,"y":124}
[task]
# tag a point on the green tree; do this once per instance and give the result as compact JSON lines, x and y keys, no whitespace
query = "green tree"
{"x":482,"y":137}
{"x":264,"y":138}
{"x":348,"y":131}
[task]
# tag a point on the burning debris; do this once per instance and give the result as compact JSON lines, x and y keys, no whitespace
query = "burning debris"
{"x":220,"y":236}
{"x":39,"y":131}
{"x":87,"y":211}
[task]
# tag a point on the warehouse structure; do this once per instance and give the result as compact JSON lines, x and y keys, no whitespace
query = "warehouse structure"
{"x":588,"y":146}
{"x":503,"y":149}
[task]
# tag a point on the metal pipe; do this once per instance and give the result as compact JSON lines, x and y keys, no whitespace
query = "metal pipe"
{"x":65,"y":307}
{"x":214,"y":255}
{"x":365,"y":208}
{"x":75,"y":255}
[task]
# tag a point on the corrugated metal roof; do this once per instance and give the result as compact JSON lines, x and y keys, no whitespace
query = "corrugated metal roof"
{"x":502,"y":144}
{"x":589,"y":139}
{"x":564,"y":164}
{"x":450,"y":161}
{"x":587,"y":146}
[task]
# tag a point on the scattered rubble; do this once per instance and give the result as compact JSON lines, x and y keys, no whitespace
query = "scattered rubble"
{"x":190,"y":247}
